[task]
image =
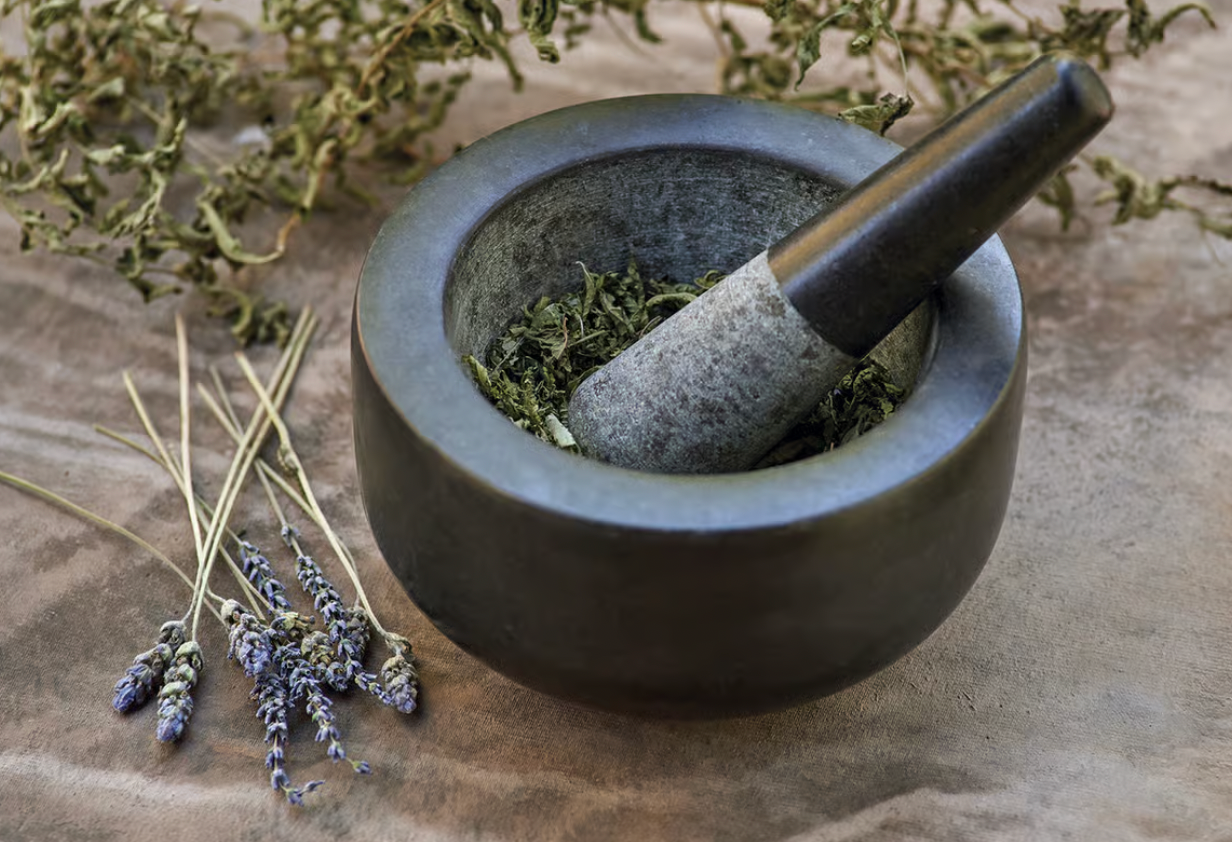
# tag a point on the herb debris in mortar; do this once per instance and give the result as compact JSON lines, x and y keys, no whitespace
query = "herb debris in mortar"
{"x":534,"y":367}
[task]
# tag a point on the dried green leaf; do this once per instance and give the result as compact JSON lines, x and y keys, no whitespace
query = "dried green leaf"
{"x":881,"y":116}
{"x":1145,"y":30}
{"x":538,"y":18}
{"x":1059,"y":195}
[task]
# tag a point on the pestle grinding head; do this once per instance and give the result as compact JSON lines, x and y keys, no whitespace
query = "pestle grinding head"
{"x":723,"y":380}
{"x":700,"y":393}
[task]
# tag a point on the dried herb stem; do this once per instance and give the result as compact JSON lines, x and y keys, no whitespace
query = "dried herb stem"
{"x":81,"y":512}
{"x":290,"y":459}
{"x":181,"y":342}
{"x":181,"y":479}
{"x":227,"y":419}
{"x":374,"y":64}
{"x":254,"y":436}
{"x":254,"y":598}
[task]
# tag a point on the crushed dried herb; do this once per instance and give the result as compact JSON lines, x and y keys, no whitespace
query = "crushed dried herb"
{"x":532,"y":369}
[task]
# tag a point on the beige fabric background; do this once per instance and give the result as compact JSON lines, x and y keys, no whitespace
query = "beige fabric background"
{"x":1082,"y":691}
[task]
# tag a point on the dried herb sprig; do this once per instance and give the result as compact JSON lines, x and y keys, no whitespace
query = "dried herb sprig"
{"x":954,"y":58}
{"x":533,"y":369}
{"x":287,"y":456}
{"x":145,"y":676}
{"x":113,"y":107}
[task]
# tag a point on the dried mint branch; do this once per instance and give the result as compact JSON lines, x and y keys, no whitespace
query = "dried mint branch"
{"x":152,"y":136}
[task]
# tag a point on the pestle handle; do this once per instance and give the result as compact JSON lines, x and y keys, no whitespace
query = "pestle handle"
{"x":856,"y":270}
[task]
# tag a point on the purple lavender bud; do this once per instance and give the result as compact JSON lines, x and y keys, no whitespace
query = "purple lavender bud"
{"x":289,"y":627}
{"x":296,"y":796}
{"x":259,"y":571}
{"x":325,"y":597}
{"x":352,"y":641}
{"x":175,"y":704}
{"x":270,"y":691}
{"x":248,"y":641}
{"x":173,"y":715}
{"x":317,"y":651}
{"x":173,"y":633}
{"x":142,"y":679}
{"x":401,"y":682}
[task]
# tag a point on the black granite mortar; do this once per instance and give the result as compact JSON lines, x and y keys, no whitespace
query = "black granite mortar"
{"x":672,"y":595}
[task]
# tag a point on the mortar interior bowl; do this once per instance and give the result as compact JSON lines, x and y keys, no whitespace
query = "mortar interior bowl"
{"x":692,"y":596}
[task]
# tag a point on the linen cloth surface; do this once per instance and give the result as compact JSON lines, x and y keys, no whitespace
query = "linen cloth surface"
{"x":1083,"y":690}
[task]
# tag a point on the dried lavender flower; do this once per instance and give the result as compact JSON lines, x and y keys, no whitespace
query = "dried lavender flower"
{"x":351,"y":644}
{"x":175,"y":704}
{"x":302,"y":682}
{"x":317,"y":650}
{"x":271,"y":693}
{"x":401,"y":679}
{"x":146,"y":674}
{"x":289,"y":626}
{"x":296,"y":796}
{"x":173,"y":633}
{"x":353,"y":641}
{"x":348,"y":629}
{"x":325,"y":597}
{"x":142,"y":678}
{"x":259,"y":571}
{"x":249,"y":641}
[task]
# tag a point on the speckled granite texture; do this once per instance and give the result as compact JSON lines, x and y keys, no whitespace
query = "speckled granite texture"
{"x":1082,"y":691}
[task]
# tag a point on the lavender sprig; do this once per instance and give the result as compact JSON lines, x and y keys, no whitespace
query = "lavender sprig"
{"x":348,"y":628}
{"x":259,"y":571}
{"x":145,"y":676}
{"x":398,"y":673}
{"x":271,"y":694}
{"x":175,"y":704}
{"x":302,"y":682}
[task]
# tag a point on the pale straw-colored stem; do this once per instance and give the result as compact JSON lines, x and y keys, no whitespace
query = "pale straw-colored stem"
{"x":186,"y":477}
{"x":254,"y":435}
{"x":291,"y":459}
{"x":99,"y":520}
{"x":254,"y":597}
{"x":227,"y":418}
